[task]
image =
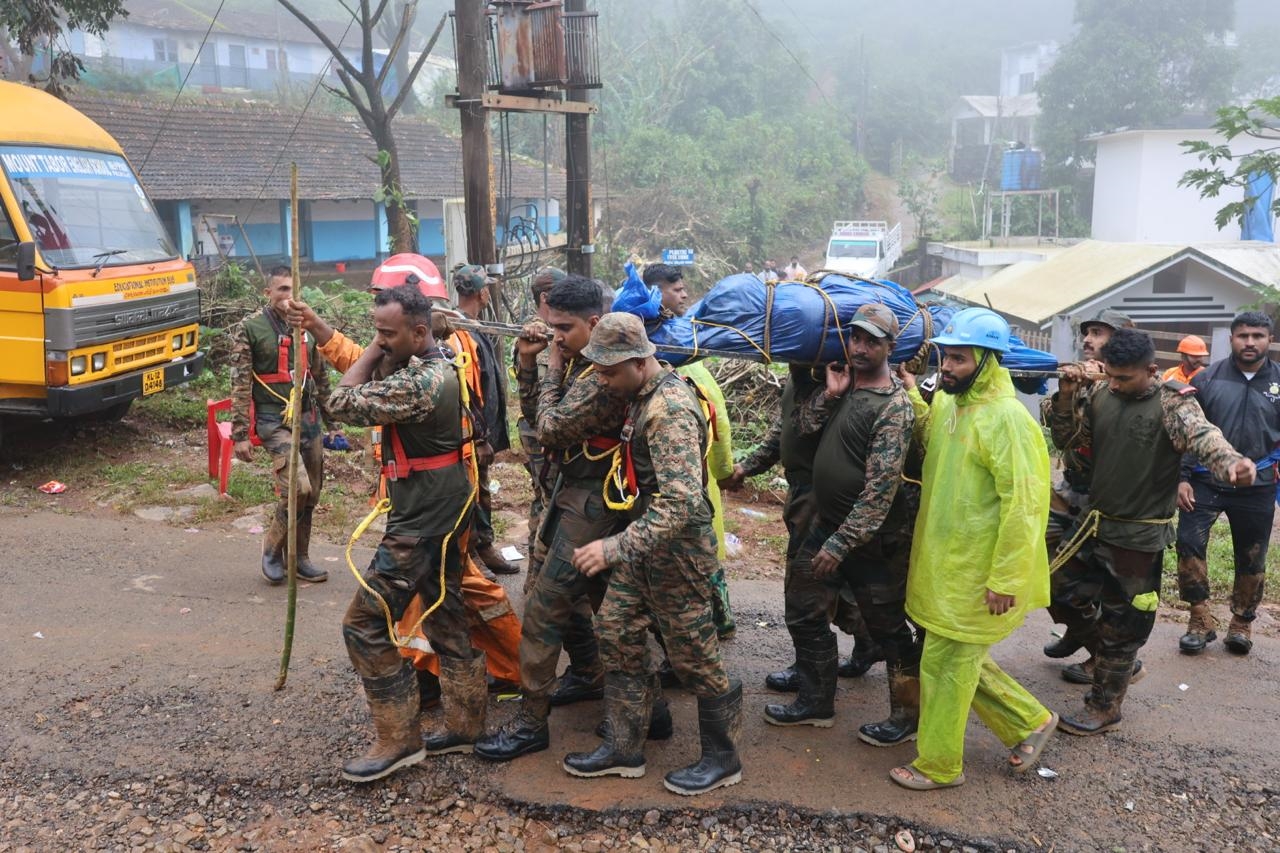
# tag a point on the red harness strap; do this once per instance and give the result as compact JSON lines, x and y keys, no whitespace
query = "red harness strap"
{"x":403,"y":465}
{"x":602,"y":442}
{"x":283,"y":367}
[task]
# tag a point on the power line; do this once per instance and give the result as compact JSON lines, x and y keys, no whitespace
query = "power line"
{"x":183,"y":85}
{"x":804,"y":68}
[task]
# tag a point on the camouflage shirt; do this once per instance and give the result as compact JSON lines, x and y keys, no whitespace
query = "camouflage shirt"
{"x":1137,"y":444}
{"x":422,"y":398}
{"x":255,"y":347}
{"x":668,"y":445}
{"x":1077,"y":462}
{"x":573,"y":407}
{"x":857,"y":471}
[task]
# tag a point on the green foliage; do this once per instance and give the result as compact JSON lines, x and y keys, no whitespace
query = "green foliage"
{"x":185,"y":406}
{"x":1259,"y":119}
{"x":1131,"y":63}
{"x":347,"y":310}
{"x":919,"y":186}
{"x":37,"y":27}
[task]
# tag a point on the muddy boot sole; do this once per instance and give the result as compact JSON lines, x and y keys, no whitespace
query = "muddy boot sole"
{"x":399,"y":764}
{"x":1065,"y":724}
{"x":732,"y":779}
{"x":616,"y":770}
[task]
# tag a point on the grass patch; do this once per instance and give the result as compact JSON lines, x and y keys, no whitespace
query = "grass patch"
{"x":148,"y":484}
{"x":186,"y":406}
{"x":1222,"y":573}
{"x":249,"y":488}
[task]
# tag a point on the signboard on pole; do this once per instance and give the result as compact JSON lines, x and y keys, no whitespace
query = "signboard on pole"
{"x":677,"y":257}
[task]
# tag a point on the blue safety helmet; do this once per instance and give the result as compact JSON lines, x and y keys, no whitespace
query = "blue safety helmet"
{"x":976,"y":327}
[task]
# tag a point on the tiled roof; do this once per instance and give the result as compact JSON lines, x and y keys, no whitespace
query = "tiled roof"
{"x":227,"y":149}
{"x":272,"y":21}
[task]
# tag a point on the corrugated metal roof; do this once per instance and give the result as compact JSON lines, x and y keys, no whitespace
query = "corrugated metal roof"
{"x":1037,"y":291}
{"x":1009,"y":106}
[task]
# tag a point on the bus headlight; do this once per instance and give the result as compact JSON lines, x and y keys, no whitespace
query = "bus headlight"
{"x":99,"y":361}
{"x":78,"y":365}
{"x":177,"y":342}
{"x":191,"y":339}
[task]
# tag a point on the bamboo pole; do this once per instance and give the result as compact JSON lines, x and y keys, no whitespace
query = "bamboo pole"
{"x":295,"y":443}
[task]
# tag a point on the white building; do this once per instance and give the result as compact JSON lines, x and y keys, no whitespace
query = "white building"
{"x":1022,"y":67}
{"x":1136,"y":197}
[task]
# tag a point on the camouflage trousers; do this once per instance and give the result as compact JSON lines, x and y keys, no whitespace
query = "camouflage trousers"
{"x":876,"y":572}
{"x":482,"y":518}
{"x":672,"y":591}
{"x":1107,"y":597}
{"x":278,"y":441}
{"x":1250,"y":513}
{"x":554,"y":606}
{"x":1066,"y":506}
{"x":798,"y":514}
{"x":402,"y":567}
{"x":542,"y":477}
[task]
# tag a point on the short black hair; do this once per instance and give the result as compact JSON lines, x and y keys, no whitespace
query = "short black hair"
{"x":280,"y":271}
{"x":577,"y":294}
{"x":544,"y":280}
{"x":1256,"y":319}
{"x":416,"y":307}
{"x":661,"y":274}
{"x":1129,"y":348}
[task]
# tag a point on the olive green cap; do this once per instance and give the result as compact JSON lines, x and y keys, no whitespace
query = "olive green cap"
{"x":618,"y":336}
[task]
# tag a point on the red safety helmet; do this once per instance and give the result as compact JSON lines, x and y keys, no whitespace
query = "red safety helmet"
{"x":407,"y":268}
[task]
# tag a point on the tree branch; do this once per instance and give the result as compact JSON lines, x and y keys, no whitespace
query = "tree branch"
{"x":319,"y":34}
{"x":406,"y":22}
{"x":407,"y":86}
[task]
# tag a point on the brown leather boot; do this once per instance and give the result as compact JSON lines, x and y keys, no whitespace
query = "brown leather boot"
{"x":1239,"y":636}
{"x":1200,"y":630}
{"x":466,"y":697}
{"x":393,"y":704}
{"x":494,"y":561}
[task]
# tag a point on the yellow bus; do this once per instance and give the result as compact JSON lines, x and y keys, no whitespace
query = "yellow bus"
{"x":97,"y":308}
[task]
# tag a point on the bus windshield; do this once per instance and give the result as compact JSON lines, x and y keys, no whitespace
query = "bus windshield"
{"x":84,"y":208}
{"x":852,"y":249}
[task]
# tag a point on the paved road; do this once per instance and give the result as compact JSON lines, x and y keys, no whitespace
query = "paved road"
{"x":1192,"y":768}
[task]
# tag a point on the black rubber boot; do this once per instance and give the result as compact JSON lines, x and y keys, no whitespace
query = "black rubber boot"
{"x":573,"y":687}
{"x":904,"y":712}
{"x":719,"y":723}
{"x":1102,"y":705}
{"x":1063,"y":647}
{"x":866,"y":654}
{"x":393,"y":704}
{"x":273,"y":566}
{"x":816,"y":661}
{"x":783,"y":681}
{"x":527,"y":732}
{"x":661,"y":726}
{"x":628,"y":702}
{"x":465,"y":701}
{"x":307,"y":570}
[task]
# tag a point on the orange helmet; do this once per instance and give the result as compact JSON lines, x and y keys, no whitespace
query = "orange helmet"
{"x":1192,"y":345}
{"x":407,"y":268}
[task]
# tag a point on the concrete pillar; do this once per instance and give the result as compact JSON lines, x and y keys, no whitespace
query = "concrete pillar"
{"x":186,"y":232}
{"x":382,"y":232}
{"x":286,"y":228}
{"x":1220,"y":344}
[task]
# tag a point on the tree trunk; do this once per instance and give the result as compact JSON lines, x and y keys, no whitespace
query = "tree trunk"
{"x":400,"y":229}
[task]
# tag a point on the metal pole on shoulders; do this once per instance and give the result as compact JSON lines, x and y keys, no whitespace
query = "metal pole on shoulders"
{"x":295,"y":443}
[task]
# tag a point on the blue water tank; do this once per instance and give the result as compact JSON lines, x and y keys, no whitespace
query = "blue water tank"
{"x":1011,"y":170}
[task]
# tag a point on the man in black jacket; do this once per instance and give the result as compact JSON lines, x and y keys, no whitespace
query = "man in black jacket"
{"x":1241,"y":396}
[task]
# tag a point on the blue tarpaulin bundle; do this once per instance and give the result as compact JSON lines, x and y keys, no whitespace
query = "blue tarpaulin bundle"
{"x":793,"y":321}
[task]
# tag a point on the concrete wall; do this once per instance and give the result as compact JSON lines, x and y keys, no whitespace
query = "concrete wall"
{"x":1136,"y":197}
{"x":343,"y":230}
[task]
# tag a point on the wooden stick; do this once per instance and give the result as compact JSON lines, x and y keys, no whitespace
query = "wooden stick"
{"x":295,"y":442}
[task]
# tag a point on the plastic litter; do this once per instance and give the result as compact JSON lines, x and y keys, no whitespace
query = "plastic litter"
{"x":905,"y":841}
{"x":732,"y":545}
{"x":336,"y":442}
{"x":1046,"y":773}
{"x":53,"y":487}
{"x":192,"y":530}
{"x":1184,"y":687}
{"x":751,"y":513}
{"x":38,"y":635}
{"x":185,"y":610}
{"x":257,"y":528}
{"x":1129,"y":805}
{"x":511,"y":552}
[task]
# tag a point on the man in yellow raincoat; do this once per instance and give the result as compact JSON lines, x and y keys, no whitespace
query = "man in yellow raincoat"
{"x":978,"y":562}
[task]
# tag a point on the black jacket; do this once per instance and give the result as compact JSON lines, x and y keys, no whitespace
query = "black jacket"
{"x":1246,"y":410}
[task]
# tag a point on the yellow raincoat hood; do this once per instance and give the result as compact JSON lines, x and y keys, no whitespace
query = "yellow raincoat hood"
{"x":984,"y":506}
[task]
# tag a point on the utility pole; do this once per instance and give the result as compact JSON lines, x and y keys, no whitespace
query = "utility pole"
{"x":578,"y":221}
{"x":477,"y":146}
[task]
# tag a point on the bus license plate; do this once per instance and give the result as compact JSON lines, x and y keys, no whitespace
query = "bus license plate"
{"x":153,"y":381}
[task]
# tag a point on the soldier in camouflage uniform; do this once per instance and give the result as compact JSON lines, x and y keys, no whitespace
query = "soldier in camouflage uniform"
{"x":784,"y":444}
{"x":1070,"y":496}
{"x":577,"y":420}
{"x":662,"y":565}
{"x":860,"y":536}
{"x":419,"y":404}
{"x":1136,"y":428}
{"x":262,"y":378}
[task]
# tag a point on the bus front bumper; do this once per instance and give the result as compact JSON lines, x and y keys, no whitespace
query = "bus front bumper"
{"x":72,"y":400}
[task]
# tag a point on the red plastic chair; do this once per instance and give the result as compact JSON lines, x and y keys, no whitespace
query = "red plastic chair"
{"x":220,"y":444}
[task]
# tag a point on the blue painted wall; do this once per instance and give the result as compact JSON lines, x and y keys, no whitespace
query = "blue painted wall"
{"x":431,"y":236}
{"x":343,"y":240}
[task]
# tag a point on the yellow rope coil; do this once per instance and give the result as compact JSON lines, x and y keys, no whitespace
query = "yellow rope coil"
{"x":460,"y":363}
{"x":290,"y":402}
{"x":618,"y":481}
{"x":1088,"y":529}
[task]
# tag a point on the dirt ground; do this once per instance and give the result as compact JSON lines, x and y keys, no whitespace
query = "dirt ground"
{"x":137,"y":712}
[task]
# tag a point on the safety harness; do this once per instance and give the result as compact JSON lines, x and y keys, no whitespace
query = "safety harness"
{"x":282,"y":376}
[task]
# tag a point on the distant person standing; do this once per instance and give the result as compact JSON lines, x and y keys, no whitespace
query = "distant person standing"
{"x":794,"y":271}
{"x":1241,"y":396}
{"x":1195,"y":355}
{"x":750,"y":269}
{"x":770,"y":274}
